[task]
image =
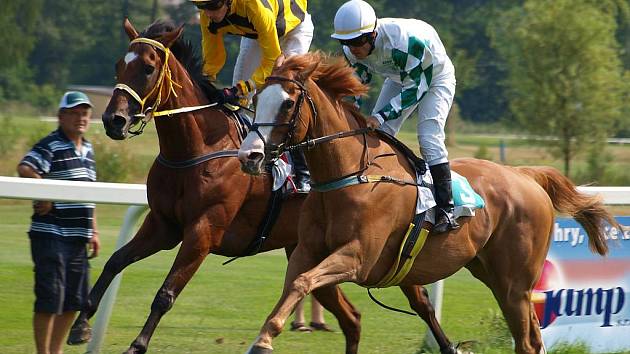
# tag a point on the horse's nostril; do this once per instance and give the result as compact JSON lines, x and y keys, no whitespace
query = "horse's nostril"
{"x":255,"y":156}
{"x":119,"y":121}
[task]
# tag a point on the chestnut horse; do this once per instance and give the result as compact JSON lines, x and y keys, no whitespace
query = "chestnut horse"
{"x":209,"y":206}
{"x":353,"y":233}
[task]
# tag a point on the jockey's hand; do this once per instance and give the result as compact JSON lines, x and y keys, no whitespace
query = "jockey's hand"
{"x":372,"y":122}
{"x":230,"y":95}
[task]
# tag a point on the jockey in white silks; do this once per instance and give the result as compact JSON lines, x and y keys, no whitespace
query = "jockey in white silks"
{"x":418,"y":76}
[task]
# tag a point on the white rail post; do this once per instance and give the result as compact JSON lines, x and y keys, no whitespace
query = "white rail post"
{"x":104,"y":311}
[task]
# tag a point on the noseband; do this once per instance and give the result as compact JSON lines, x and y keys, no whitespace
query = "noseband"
{"x":274,"y":151}
{"x":165,"y":78}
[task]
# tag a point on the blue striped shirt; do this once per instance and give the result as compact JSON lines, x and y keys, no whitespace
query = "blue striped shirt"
{"x":56,"y":157}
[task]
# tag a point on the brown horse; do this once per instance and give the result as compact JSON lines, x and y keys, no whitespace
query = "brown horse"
{"x":353,"y":233}
{"x":209,"y":206}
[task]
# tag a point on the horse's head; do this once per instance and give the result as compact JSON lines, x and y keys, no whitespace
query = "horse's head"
{"x":143,"y":82}
{"x":281,"y":116}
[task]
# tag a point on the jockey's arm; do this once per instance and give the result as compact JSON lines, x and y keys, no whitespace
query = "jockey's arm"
{"x":415,"y":79}
{"x":360,"y":71}
{"x":264,"y":22}
{"x":213,"y":49}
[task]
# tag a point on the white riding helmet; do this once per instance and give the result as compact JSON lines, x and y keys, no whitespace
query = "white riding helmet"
{"x":353,"y":19}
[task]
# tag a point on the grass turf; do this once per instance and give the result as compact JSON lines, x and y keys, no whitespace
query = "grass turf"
{"x":222,"y":308}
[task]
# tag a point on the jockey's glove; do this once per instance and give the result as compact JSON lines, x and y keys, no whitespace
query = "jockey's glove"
{"x":245,"y":87}
{"x":230,"y":95}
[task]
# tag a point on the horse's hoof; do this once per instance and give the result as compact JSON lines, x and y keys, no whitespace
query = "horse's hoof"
{"x":80,"y":333}
{"x":449,"y":350}
{"x":259,"y":350}
{"x":136,"y":349}
{"x":466,"y":347}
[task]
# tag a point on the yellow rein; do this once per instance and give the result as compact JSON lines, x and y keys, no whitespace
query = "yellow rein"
{"x":164,"y":78}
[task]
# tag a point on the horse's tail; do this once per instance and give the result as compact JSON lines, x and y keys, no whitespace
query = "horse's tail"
{"x":588,"y":210}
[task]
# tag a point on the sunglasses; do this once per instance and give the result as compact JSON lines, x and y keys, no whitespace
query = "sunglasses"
{"x":210,"y":5}
{"x":356,"y":42}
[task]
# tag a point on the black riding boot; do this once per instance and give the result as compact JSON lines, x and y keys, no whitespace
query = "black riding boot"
{"x":302,"y":175}
{"x":444,"y":216}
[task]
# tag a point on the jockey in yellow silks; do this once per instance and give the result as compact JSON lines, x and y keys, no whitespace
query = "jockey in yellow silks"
{"x":268,"y":28}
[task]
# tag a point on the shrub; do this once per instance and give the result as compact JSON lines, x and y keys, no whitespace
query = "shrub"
{"x":8,"y":135}
{"x":38,"y":131}
{"x":114,"y":163}
{"x":483,"y":153}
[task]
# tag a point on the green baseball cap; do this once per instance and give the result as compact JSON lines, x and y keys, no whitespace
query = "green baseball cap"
{"x":74,"y":98}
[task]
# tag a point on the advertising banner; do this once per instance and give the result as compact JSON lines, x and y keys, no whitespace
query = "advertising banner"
{"x":582,"y":297}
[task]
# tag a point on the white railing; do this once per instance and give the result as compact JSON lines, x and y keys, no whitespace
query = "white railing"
{"x":135,"y":195}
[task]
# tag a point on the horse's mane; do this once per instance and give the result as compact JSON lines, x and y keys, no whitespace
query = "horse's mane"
{"x":332,"y":73}
{"x":186,"y":54}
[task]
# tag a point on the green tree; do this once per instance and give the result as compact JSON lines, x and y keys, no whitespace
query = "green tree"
{"x":18,"y":22}
{"x":565,"y":74}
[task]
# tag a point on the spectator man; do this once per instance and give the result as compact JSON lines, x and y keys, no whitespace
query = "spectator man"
{"x":60,"y":231}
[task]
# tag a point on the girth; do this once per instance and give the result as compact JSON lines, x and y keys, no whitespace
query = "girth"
{"x":410,"y":248}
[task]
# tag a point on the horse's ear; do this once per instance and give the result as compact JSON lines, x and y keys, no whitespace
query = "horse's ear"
{"x":279,"y":61}
{"x":170,"y":37}
{"x":131,"y":31}
{"x":308,"y":71}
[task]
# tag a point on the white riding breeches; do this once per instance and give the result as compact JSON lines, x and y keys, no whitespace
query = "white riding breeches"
{"x":298,"y":41}
{"x":432,"y":109}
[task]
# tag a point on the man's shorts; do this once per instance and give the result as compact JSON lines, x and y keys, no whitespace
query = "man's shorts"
{"x":61,"y":273}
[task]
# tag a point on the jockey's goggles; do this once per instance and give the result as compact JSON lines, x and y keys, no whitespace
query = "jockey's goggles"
{"x":210,"y":5}
{"x":357,"y":41}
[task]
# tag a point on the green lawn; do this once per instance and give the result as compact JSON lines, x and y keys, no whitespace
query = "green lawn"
{"x":227,"y":304}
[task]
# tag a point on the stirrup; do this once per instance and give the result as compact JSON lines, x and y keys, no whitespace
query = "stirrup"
{"x":302,"y":186}
{"x":446,"y":222}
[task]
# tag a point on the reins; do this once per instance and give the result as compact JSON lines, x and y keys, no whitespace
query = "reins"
{"x":310,"y":143}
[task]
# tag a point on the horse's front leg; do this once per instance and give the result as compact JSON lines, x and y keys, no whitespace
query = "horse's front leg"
{"x":152,"y":237}
{"x":304,"y":276}
{"x":349,"y":318}
{"x":194,"y":249}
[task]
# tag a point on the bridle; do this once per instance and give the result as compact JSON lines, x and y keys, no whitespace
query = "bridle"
{"x":164,"y":79}
{"x":272,"y":150}
{"x":356,"y":177}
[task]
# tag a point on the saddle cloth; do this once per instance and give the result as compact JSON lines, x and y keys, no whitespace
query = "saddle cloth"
{"x":281,"y":170}
{"x":466,"y":200}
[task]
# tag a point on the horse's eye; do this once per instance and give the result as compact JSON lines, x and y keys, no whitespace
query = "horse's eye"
{"x":287,"y":104}
{"x":148,"y":70}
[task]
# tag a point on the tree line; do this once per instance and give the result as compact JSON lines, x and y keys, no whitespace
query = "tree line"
{"x":550,"y":67}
